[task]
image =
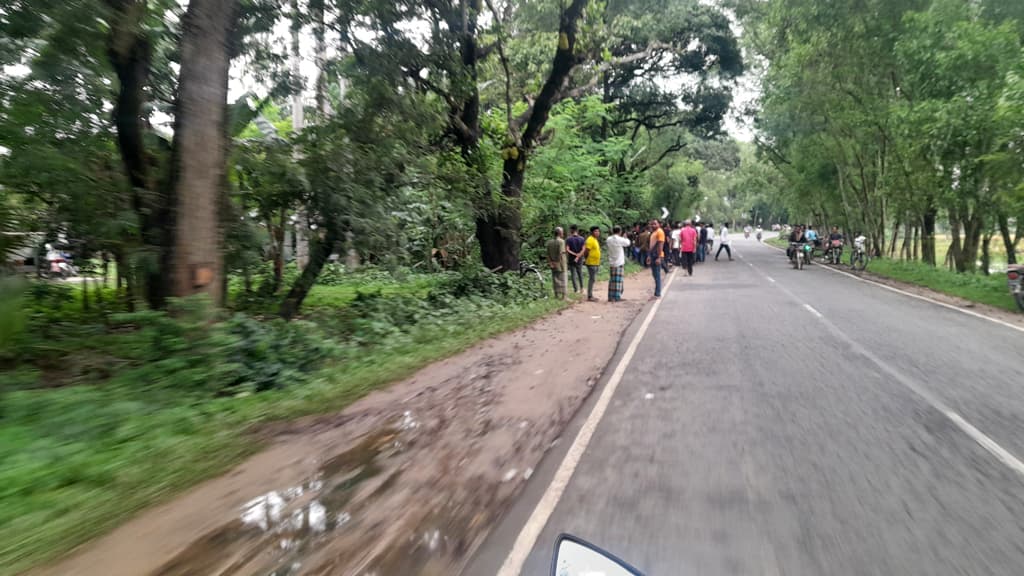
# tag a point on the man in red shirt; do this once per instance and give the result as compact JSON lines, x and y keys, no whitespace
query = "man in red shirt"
{"x":688,"y":246}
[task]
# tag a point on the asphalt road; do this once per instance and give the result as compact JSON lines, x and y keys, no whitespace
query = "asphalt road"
{"x":801,"y":423}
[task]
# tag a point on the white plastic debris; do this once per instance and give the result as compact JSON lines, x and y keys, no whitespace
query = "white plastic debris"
{"x":527,"y":473}
{"x":343,"y":518}
{"x":408,"y":422}
{"x":510,"y":475}
{"x":432,"y":539}
{"x":648,"y":396}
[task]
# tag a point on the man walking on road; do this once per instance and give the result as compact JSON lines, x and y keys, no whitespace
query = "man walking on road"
{"x":688,"y":246}
{"x":723,"y":241}
{"x":710,"y":228}
{"x":654,"y":250}
{"x":557,"y":262}
{"x":574,"y":247}
{"x":616,"y":264}
{"x":592,"y":258}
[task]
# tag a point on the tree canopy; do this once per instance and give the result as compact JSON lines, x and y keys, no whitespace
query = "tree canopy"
{"x":436,"y":133}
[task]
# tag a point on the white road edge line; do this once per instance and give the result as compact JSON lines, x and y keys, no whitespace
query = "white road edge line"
{"x":986,"y":442}
{"x":918,"y":296}
{"x":813,"y":311}
{"x":527,"y":538}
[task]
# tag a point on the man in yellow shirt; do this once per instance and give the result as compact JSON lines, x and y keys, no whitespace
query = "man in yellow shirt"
{"x":592,"y":258}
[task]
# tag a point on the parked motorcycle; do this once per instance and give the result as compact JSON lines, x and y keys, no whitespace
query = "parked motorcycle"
{"x":1015,"y":280}
{"x":834,"y":253}
{"x":577,"y":557}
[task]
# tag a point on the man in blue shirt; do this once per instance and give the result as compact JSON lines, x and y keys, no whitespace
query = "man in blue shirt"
{"x":812,"y":236}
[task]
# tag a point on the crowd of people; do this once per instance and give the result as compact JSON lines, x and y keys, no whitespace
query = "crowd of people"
{"x":656,"y":245}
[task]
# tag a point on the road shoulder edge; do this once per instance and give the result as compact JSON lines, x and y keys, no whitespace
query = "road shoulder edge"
{"x":929,"y":299}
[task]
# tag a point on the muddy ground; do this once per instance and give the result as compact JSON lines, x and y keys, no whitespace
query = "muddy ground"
{"x":406,"y":481}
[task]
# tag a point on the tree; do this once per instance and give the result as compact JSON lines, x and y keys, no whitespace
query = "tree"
{"x":613,"y":44}
{"x":195,"y":262}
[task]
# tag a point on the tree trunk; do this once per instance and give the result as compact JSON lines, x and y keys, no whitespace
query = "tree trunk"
{"x":200,"y":148}
{"x":276,"y":231}
{"x":130,"y":54}
{"x":498,"y":226}
{"x":953,"y":256}
{"x":323,"y":107}
{"x":498,"y":229}
{"x":895,"y":239}
{"x":85,"y":294}
{"x":1004,"y":232}
{"x":973,"y":229}
{"x":318,"y":257}
{"x":986,"y":259}
{"x":928,"y":237}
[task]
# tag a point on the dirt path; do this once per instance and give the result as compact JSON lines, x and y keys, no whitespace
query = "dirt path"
{"x":406,"y":481}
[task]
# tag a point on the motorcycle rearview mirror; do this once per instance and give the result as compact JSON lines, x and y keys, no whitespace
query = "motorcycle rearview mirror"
{"x":577,"y":557}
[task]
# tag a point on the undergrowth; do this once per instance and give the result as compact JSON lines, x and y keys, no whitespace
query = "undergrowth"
{"x":103,"y":413}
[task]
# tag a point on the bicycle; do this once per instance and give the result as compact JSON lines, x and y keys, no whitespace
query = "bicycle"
{"x":859,"y":255}
{"x":530,"y":269}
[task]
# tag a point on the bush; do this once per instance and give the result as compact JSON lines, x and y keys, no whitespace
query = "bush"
{"x":480,"y":282}
{"x":12,"y":316}
{"x":182,"y":349}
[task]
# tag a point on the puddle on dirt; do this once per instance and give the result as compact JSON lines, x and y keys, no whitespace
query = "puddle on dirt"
{"x":273,"y":532}
{"x":437,"y":545}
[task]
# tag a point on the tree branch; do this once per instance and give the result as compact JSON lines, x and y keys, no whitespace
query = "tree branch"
{"x":676,"y":147}
{"x":565,"y":60}
{"x":504,"y":64}
{"x":580,"y":91}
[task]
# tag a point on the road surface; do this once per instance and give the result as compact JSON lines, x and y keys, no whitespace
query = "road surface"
{"x":783,"y":422}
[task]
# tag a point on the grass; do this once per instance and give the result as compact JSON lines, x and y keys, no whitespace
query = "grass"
{"x":978,"y":288}
{"x":75,"y":461}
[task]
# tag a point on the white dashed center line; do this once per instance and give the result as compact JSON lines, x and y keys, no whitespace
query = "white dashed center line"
{"x":813,"y":311}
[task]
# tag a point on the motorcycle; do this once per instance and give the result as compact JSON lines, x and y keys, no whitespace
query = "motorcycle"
{"x":1015,"y":280}
{"x":59,"y":264}
{"x":801,"y":254}
{"x":759,"y":235}
{"x":577,"y":557}
{"x":834,"y":253}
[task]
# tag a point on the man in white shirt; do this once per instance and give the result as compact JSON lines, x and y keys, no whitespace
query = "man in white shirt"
{"x":616,"y":244}
{"x":723,"y":242}
{"x":674,"y":238}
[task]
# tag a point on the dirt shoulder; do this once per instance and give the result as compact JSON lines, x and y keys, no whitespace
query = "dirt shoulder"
{"x":405,"y":481}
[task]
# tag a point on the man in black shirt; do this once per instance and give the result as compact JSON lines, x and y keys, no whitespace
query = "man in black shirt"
{"x":574,"y":247}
